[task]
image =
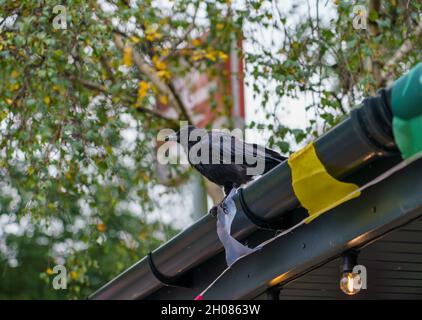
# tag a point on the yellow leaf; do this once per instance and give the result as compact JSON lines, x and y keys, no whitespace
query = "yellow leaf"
{"x":211,"y":56}
{"x":143,"y":90}
{"x":196,"y":42}
{"x":143,"y":235}
{"x":68,"y":175}
{"x":134,"y":39}
{"x":14,"y":74}
{"x":144,"y":176}
{"x":3,"y":115}
{"x":47,"y":100}
{"x":9,"y":101}
{"x":163,"y":99}
{"x":49,"y":271}
{"x":197,"y":55}
{"x":30,"y":170}
{"x":101,"y":227}
{"x":222,"y":56}
{"x":14,"y":86}
{"x":127,"y":56}
{"x":164,"y":74}
{"x":73,"y":275}
{"x":165,"y":52}
{"x":163,"y":21}
{"x":152,"y":34}
{"x":158,"y":63}
{"x":219,"y":26}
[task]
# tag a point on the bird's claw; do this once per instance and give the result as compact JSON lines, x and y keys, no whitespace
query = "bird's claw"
{"x":214,"y":210}
{"x":224,"y":207}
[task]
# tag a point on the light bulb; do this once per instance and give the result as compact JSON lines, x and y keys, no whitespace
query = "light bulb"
{"x":350,"y":283}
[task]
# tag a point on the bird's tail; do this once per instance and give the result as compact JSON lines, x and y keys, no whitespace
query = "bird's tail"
{"x":272,"y":159}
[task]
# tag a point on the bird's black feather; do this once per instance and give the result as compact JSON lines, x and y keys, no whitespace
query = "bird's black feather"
{"x":233,"y":174}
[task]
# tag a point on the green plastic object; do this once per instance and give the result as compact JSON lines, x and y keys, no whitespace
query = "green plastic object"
{"x":407,"y":112}
{"x":408,"y":135}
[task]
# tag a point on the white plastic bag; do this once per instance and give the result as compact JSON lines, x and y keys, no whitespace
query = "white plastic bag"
{"x":234,"y":249}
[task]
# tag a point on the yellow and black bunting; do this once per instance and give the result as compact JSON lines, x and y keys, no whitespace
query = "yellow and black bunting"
{"x":316,"y":190}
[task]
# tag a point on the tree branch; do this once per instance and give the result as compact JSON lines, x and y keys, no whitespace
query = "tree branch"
{"x":374,"y":65}
{"x":100,"y":88}
{"x":155,"y":79}
{"x":404,"y":49}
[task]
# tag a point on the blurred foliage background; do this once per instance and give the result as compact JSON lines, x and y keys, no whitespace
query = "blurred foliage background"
{"x":78,"y":115}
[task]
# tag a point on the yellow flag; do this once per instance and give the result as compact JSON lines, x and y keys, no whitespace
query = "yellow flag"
{"x":315,"y":188}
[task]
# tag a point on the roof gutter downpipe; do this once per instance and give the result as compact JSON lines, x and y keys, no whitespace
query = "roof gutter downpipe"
{"x":365,"y":135}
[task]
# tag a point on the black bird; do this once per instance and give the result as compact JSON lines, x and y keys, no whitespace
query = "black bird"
{"x":227,"y":172}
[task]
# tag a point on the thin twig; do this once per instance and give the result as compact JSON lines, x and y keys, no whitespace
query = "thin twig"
{"x":404,"y":49}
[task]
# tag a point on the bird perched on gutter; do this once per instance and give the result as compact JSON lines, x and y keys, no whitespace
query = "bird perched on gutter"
{"x":224,"y":159}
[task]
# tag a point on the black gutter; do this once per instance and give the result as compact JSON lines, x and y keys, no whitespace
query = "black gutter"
{"x":396,"y":202}
{"x":364,"y":136}
{"x":379,"y":210}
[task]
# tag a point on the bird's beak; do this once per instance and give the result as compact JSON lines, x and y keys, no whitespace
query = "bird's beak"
{"x":172,"y":137}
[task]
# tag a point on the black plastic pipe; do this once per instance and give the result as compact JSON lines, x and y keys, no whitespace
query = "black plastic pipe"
{"x":365,"y":135}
